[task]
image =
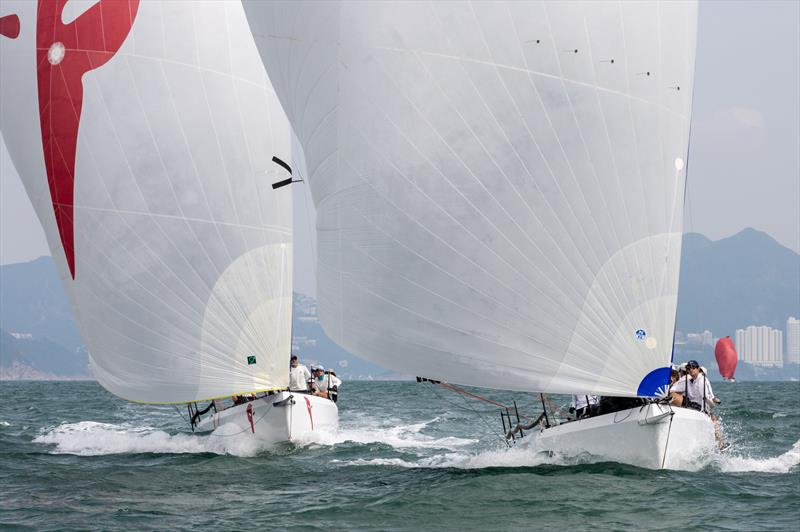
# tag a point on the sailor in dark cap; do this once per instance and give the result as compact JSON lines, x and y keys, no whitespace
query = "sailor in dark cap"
{"x":693,"y":389}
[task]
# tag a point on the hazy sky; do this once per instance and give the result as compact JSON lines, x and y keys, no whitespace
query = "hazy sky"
{"x":744,"y":165}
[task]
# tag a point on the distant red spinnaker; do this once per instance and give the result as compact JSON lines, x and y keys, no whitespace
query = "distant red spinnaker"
{"x":64,"y":53}
{"x":726,"y":356}
{"x":9,"y":26}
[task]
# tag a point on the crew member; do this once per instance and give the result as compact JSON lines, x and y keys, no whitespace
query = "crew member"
{"x":298,"y":376}
{"x":693,"y":389}
{"x":582,"y":405}
{"x":324,"y":384}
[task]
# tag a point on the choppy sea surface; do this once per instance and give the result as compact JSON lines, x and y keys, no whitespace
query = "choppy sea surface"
{"x":407,"y":456}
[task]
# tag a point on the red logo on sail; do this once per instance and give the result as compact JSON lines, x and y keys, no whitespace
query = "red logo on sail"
{"x":64,"y":53}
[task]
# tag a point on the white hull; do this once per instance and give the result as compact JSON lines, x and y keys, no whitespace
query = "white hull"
{"x":653,"y":436}
{"x":281,"y":417}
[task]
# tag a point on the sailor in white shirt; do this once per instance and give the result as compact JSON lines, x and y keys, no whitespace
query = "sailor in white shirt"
{"x":581,"y":404}
{"x":298,"y":376}
{"x":694,"y":388}
{"x":323,"y":383}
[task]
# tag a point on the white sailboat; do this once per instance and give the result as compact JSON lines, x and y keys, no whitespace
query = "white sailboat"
{"x":143,"y":133}
{"x":499,"y":190}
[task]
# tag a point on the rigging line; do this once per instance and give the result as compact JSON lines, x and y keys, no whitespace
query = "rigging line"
{"x":477,"y":397}
{"x":460,"y":407}
{"x":669,"y":431}
{"x":481,"y":417}
{"x":555,"y":409}
{"x":180,"y":413}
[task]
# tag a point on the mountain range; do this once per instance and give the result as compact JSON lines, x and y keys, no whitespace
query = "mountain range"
{"x":728,"y":284}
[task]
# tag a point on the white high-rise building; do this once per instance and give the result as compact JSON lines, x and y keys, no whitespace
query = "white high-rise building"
{"x":760,"y":346}
{"x":793,"y":340}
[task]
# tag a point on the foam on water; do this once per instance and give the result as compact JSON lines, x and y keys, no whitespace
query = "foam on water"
{"x":90,"y":438}
{"x":524,"y":454}
{"x":402,"y":436}
{"x":745,"y":464}
{"x":527,"y":454}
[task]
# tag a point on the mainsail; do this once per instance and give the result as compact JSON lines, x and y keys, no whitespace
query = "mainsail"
{"x":499,"y":185}
{"x":143,"y":133}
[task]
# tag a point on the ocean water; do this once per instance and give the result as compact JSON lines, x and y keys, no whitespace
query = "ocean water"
{"x":408,"y":456}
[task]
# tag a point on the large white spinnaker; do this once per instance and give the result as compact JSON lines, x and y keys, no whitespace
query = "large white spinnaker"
{"x":499,"y":185}
{"x":143,"y":133}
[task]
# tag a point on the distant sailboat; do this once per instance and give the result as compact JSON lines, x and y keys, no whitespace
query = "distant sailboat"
{"x":499,"y":190}
{"x":143,"y":133}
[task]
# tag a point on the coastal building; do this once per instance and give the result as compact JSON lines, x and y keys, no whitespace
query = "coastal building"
{"x":760,"y":346}
{"x":792,"y":340}
{"x":708,"y":338}
{"x":703,"y":338}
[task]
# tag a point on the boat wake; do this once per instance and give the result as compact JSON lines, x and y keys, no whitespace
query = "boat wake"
{"x":522,"y":455}
{"x":403,"y":437}
{"x":420,"y":450}
{"x":745,"y":464}
{"x":529,"y":456}
{"x":90,"y":438}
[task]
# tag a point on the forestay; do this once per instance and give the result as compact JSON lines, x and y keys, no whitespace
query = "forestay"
{"x":143,"y":133}
{"x":499,"y":186}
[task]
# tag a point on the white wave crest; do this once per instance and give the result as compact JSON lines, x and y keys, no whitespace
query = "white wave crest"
{"x":398,"y":437}
{"x":524,"y":454}
{"x":778,"y":464}
{"x":90,"y":438}
{"x":5,"y":424}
